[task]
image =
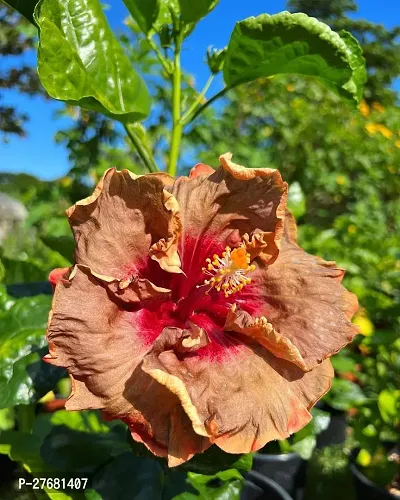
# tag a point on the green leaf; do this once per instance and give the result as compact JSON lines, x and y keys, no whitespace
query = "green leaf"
{"x":64,"y":245}
{"x":343,"y":363}
{"x":81,"y":62}
{"x":144,"y":12}
{"x":164,"y":14}
{"x":389,"y":405}
{"x":223,"y":485}
{"x":70,"y":450}
{"x":305,"y":447}
{"x":344,"y":395}
{"x":357,"y":62}
{"x":7,"y":419}
{"x":22,"y":447}
{"x":320,"y":421}
{"x":286,"y":43}
{"x":22,"y":334}
{"x":192,"y":12}
{"x":215,"y":460}
{"x":22,"y":271}
{"x":127,"y":477}
{"x":24,"y":7}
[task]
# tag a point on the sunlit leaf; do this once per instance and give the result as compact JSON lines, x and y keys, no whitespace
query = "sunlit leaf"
{"x":389,"y":405}
{"x":344,"y":395}
{"x":193,"y":11}
{"x":286,"y":43}
{"x":22,"y":335}
{"x":144,"y":12}
{"x":80,"y":61}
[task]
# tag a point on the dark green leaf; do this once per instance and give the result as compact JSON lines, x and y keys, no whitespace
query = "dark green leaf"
{"x":286,"y":43}
{"x":22,"y":447}
{"x":192,"y":12}
{"x":128,"y":477}
{"x":64,"y":245}
{"x":25,"y":7}
{"x":144,"y":12}
{"x":70,"y":450}
{"x":22,"y":271}
{"x":22,"y":334}
{"x":344,"y":395}
{"x":80,"y":61}
{"x":215,"y":460}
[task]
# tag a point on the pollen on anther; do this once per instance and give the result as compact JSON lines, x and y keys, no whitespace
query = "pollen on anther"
{"x":228,"y":272}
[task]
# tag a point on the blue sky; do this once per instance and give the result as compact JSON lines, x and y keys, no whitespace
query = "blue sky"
{"x":39,"y":155}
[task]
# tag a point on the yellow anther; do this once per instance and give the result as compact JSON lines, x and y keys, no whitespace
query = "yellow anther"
{"x":229,"y":272}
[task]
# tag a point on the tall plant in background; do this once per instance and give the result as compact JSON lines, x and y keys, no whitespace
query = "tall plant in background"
{"x":17,"y":37}
{"x":99,"y":76}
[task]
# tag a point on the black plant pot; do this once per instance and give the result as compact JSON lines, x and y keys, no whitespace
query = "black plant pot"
{"x":336,"y":431}
{"x":288,"y":470}
{"x":259,"y":487}
{"x":365,"y":488}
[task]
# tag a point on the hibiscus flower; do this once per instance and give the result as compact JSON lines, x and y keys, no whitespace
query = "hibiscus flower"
{"x":192,"y":314}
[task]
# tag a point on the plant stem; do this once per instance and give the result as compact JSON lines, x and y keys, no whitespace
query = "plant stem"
{"x":206,"y":104}
{"x":176,"y":108}
{"x":186,"y":117}
{"x":146,"y":158}
{"x":162,"y":59}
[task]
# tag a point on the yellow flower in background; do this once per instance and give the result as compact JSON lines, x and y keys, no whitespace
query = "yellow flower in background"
{"x":364,"y":109}
{"x":397,"y":143}
{"x":290,"y":87}
{"x":373,"y":128}
{"x":341,"y":180}
{"x":352,"y":229}
{"x":363,"y":322}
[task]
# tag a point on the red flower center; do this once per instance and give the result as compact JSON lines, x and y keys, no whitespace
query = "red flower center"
{"x":204,"y":302}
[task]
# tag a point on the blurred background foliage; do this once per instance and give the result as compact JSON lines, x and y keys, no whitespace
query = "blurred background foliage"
{"x":342,"y":166}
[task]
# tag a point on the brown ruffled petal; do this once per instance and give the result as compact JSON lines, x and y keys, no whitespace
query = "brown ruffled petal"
{"x":231,"y":202}
{"x":158,"y":420}
{"x":305,"y":302}
{"x":242,"y":401}
{"x":261,"y":330}
{"x":96,"y":341}
{"x":126,"y":219}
